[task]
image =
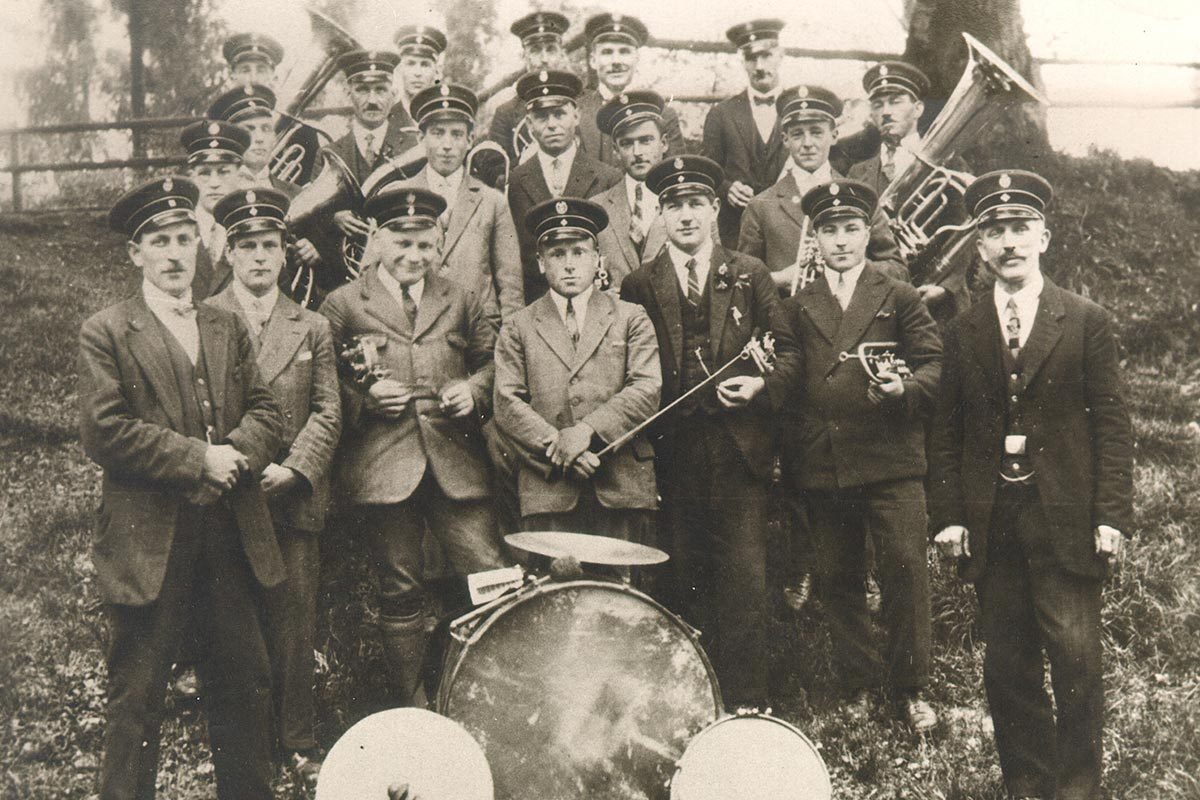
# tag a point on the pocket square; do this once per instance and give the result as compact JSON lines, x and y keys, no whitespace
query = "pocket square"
{"x":885,"y":314}
{"x":305,"y":356}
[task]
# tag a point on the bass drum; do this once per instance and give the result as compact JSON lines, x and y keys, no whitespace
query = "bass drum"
{"x":751,"y":757}
{"x":579,"y":689}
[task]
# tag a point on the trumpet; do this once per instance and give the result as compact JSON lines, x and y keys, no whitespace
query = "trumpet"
{"x":877,"y":358}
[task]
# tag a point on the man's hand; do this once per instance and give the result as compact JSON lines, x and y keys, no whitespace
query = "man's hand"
{"x":277,"y":480}
{"x":307,"y":252}
{"x":401,"y":791}
{"x":569,"y":444}
{"x":738,"y":391}
{"x":953,"y":542}
{"x":1108,"y":542}
{"x":223,"y":465}
{"x":586,"y":465}
{"x":890,"y":386}
{"x":457,"y":400}
{"x":740,"y":194}
{"x":932,"y":294}
{"x":784,"y":278}
{"x":350,"y":223}
{"x":388,"y":398}
{"x":204,"y":495}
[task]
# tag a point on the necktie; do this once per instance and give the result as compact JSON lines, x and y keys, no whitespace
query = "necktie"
{"x":371,"y":154}
{"x":259,"y":314}
{"x":693,"y":283}
{"x":889,"y":161}
{"x":410,"y":305}
{"x":637,"y":230}
{"x":842,"y":299}
{"x":183,"y":308}
{"x":1013,"y":327}
{"x":763,"y":100}
{"x":572,"y":323}
{"x":557,"y":184}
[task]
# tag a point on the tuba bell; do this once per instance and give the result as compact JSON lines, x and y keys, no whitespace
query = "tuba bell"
{"x":924,"y":202}
{"x":294,"y":158}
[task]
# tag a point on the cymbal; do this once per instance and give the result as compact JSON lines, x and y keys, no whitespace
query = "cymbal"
{"x":588,"y":549}
{"x":432,"y":754}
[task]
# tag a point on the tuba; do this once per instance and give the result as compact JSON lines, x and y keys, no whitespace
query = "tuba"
{"x":294,"y":158}
{"x":924,"y":203}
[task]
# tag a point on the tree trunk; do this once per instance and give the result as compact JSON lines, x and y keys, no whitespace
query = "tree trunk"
{"x":935,"y":44}
{"x":137,"y":73}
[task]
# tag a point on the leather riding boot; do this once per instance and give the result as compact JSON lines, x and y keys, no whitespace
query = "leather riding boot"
{"x":404,"y":640}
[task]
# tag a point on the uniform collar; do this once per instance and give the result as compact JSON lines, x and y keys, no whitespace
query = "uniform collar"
{"x":415,"y":290}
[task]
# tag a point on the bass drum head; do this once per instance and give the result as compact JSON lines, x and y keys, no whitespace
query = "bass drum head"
{"x":752,"y":757}
{"x":583,"y":689}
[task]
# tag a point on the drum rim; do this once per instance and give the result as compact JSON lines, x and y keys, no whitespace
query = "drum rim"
{"x":679,"y":764}
{"x":450,"y":675}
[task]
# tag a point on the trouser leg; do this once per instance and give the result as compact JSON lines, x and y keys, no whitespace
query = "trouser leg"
{"x":236,"y":668}
{"x":505,"y":465}
{"x":292,"y":619}
{"x":897,"y":523}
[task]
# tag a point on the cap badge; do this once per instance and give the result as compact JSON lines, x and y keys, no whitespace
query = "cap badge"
{"x":168,"y":185}
{"x":678,"y":164}
{"x":616,"y":28}
{"x":545,"y":90}
{"x":254,"y":212}
{"x":802,"y":91}
{"x":1005,"y":181}
{"x":412,"y":198}
{"x":541,"y":29}
{"x":543,"y":76}
{"x":213,"y":144}
{"x":837,"y":202}
{"x":445,"y":104}
{"x":623,"y":99}
{"x":213,"y":129}
{"x":171,"y":203}
{"x":251,"y":196}
{"x":372,"y":67}
{"x":444,"y":91}
{"x":883,"y":69}
{"x":562,"y":223}
{"x":249,"y":90}
{"x":834,"y":189}
{"x":753,"y":37}
{"x":561,"y":207}
{"x":883,"y":82}
{"x":679,"y":179}
{"x":1004,"y":198}
{"x":804,"y":104}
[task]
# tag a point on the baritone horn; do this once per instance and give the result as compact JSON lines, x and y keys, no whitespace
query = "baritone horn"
{"x":924,"y":202}
{"x":296,"y":143}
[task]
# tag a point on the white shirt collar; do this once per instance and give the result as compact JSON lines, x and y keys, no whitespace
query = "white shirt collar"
{"x":447,"y":185}
{"x":1027,"y":299}
{"x":605,"y":92}
{"x":393,"y":286}
{"x":579,"y":302}
{"x":263,"y":176}
{"x":360,"y":136}
{"x":679,"y":260}
{"x":158,"y":300}
{"x":851,"y":277}
{"x":806,"y":180}
{"x":249,"y":301}
{"x":566,"y":158}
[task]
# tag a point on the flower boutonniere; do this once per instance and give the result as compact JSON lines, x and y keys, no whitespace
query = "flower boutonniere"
{"x":721,"y":282}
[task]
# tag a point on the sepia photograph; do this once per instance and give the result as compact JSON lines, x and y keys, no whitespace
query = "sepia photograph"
{"x":564,"y":400}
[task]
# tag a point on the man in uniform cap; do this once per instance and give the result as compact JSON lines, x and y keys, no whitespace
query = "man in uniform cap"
{"x":774,"y":226}
{"x":1031,"y":485}
{"x":633,"y":121}
{"x":214,"y":161}
{"x":294,"y":350}
{"x":252,"y":107}
{"x":412,"y":453}
{"x":480,"y":251}
{"x":614,"y":44}
{"x":854,"y":449}
{"x":253,"y":59}
{"x":560,"y":168}
{"x":420,"y":48}
{"x":742,"y":133}
{"x":173,"y":408}
{"x":542,"y":48}
{"x":575,"y":371}
{"x":896,"y":90}
{"x":714,"y":453}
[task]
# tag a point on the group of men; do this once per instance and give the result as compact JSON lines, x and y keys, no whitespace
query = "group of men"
{"x":480,"y":372}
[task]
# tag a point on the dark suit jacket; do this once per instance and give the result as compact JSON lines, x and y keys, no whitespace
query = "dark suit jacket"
{"x":382,"y":460}
{"x":609,"y":380}
{"x":130,"y":418}
{"x":731,"y":139}
{"x":1079,"y":435}
{"x":296,"y":359}
{"x":527,"y":187}
{"x":616,"y":247}
{"x":400,"y":138}
{"x":834,"y":437}
{"x":505,"y":119}
{"x":748,"y":307}
{"x":773,"y":221}
{"x":213,"y":275}
{"x":600,"y":144}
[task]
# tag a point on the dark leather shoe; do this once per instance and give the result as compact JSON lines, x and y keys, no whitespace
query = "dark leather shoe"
{"x":917,"y":712}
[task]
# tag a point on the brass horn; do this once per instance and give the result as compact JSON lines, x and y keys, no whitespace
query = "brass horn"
{"x":924,"y":203}
{"x":297,"y":143}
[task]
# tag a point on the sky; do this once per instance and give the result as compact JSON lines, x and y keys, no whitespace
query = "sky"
{"x":1089,"y":103}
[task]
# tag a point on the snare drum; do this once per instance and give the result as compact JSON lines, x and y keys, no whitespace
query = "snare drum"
{"x":579,"y":689}
{"x":751,"y":757}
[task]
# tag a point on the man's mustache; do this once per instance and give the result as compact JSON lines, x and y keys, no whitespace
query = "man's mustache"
{"x":372,"y":107}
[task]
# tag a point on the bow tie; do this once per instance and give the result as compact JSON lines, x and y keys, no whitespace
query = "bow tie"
{"x":764,"y":100}
{"x":183,"y":308}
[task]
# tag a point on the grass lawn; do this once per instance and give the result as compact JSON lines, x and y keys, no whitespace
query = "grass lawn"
{"x":56,"y":271}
